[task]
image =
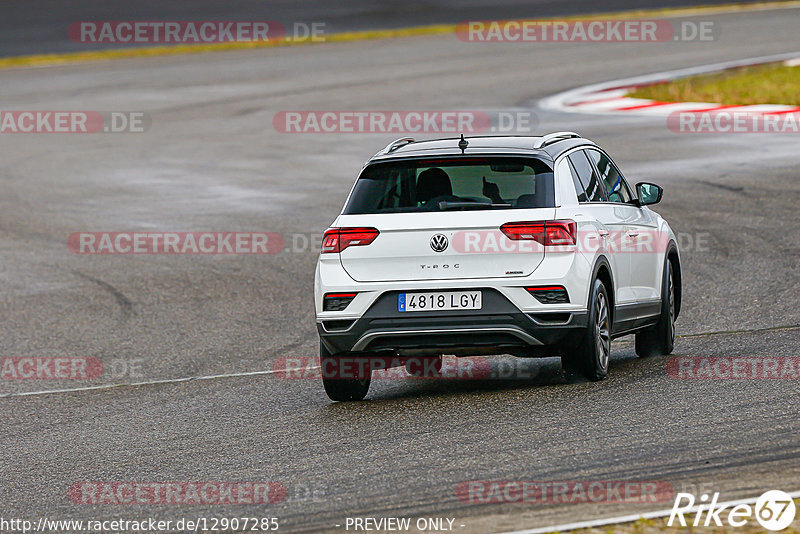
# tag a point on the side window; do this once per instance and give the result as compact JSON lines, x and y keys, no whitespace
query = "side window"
{"x":612,"y":178}
{"x":587,"y":176}
{"x":575,"y":181}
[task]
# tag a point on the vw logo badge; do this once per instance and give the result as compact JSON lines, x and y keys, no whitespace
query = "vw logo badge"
{"x":439,"y":243}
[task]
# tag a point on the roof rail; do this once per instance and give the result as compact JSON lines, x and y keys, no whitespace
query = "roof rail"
{"x":397,"y":143}
{"x":551,"y":138}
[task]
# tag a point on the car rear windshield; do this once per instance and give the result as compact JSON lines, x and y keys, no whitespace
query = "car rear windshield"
{"x":453,"y":184}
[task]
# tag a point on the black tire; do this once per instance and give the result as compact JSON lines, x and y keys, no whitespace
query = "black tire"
{"x":590,"y":357}
{"x":660,"y":338}
{"x":341,"y":389}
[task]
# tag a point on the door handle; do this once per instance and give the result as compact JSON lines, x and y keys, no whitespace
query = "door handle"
{"x":633,"y":234}
{"x":603,"y":233}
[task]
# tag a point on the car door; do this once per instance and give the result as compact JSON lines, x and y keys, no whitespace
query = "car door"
{"x":609,"y":220}
{"x":638,"y":241}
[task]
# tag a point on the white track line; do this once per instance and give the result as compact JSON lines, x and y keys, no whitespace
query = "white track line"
{"x":273,"y":371}
{"x":585,"y":96}
{"x":631,"y":518}
{"x":153,"y":382}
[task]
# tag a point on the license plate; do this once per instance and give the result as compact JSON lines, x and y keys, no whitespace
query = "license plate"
{"x":453,"y":300}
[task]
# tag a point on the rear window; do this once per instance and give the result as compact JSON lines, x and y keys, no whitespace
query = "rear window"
{"x":453,"y":184}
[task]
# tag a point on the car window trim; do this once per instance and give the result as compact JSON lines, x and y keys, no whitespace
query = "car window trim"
{"x":622,"y":178}
{"x":599,"y":177}
{"x":591,"y":163}
{"x":575,"y":175}
{"x":565,"y":155}
{"x":588,"y":146}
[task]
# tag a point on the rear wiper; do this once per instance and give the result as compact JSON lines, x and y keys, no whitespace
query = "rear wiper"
{"x":444,"y":205}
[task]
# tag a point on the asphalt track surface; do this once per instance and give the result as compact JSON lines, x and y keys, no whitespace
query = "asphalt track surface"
{"x":211,"y":160}
{"x":40,"y":26}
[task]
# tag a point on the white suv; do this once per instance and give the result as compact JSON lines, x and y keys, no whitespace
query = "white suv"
{"x":531,"y":246}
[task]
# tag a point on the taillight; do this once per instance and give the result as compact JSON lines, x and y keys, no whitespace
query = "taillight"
{"x":548,"y":233}
{"x":336,"y":301}
{"x":338,"y":239}
{"x":549,"y":294}
{"x":560,"y":232}
{"x":524,"y":230}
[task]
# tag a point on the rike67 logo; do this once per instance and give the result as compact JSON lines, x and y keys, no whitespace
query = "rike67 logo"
{"x":774,"y":510}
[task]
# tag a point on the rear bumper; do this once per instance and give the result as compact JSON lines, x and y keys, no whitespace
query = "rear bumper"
{"x":496,"y":328}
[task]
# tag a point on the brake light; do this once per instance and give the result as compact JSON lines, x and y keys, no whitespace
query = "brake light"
{"x":338,"y":239}
{"x":548,"y":233}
